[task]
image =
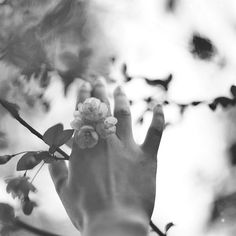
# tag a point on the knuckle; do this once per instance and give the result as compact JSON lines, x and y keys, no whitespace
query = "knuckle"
{"x":60,"y":184}
{"x":122,"y":112}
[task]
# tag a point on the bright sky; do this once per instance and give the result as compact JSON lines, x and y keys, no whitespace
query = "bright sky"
{"x":192,"y":161}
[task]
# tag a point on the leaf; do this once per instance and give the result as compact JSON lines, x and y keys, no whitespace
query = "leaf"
{"x":157,"y":82}
{"x":202,"y":47}
{"x":7,"y":213}
{"x":28,"y":161}
{"x":19,"y":186}
{"x":233,"y":90}
{"x":4,"y":159}
{"x":45,"y":156}
{"x":28,"y":206}
{"x":168,"y":226}
{"x":196,"y":103}
{"x":11,"y":107}
{"x":223,"y":101}
{"x":52,"y":133}
{"x":125,"y":74}
{"x":212,"y":106}
{"x":64,"y":137}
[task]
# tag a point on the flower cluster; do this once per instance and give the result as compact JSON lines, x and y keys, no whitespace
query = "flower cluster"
{"x":92,"y":120}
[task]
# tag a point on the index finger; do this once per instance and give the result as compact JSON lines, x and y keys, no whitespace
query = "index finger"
{"x":84,"y":92}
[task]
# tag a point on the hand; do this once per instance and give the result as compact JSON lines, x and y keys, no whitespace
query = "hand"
{"x":117,"y":176}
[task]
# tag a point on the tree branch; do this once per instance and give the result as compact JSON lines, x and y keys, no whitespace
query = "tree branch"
{"x":33,"y":229}
{"x":156,"y":229}
{"x":36,"y":133}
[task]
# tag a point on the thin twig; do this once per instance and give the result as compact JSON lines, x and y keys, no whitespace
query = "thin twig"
{"x":16,"y":154}
{"x":156,"y":229}
{"x":33,"y":229}
{"x":37,"y":172}
{"x":35,"y":132}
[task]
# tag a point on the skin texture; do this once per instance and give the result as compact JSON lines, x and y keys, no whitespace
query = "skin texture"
{"x":115,"y":180}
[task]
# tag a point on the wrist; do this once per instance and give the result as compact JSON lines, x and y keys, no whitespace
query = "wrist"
{"x":120,"y":222}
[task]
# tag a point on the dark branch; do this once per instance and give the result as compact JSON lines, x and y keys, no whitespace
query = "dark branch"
{"x":156,"y":229}
{"x":33,"y":229}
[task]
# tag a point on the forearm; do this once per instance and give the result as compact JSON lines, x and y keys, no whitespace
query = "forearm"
{"x":117,"y":223}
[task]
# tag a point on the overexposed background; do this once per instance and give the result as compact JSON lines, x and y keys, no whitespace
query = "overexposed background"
{"x":193,"y":161}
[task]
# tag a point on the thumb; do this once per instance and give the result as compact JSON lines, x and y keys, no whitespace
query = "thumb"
{"x":59,"y":174}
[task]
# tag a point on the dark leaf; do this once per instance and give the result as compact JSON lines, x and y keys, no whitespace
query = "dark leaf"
{"x":28,"y":161}
{"x":233,"y":90}
{"x":168,"y":226}
{"x":212,"y":106}
{"x":195,"y":103}
{"x":182,"y":108}
{"x":171,"y":5}
{"x":28,"y":206}
{"x":125,"y":74}
{"x":223,"y":101}
{"x":157,"y":82}
{"x":45,"y":156}
{"x":19,"y":186}
{"x":63,"y":137}
{"x":11,"y":107}
{"x":148,"y":99}
{"x":52,"y":149}
{"x":5,"y":159}
{"x":7,"y":213}
{"x":202,"y":47}
{"x":50,"y":136}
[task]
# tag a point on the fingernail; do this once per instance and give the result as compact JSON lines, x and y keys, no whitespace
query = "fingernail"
{"x":158,"y":108}
{"x":100,"y":81}
{"x":86,"y":86}
{"x":118,"y":90}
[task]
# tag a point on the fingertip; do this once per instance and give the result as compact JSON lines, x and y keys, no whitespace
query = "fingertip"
{"x":85,"y":86}
{"x":158,"y":112}
{"x":99,"y":81}
{"x":118,"y":91}
{"x":84,"y":92}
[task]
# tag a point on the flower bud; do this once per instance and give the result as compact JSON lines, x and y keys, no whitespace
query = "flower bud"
{"x":76,"y":123}
{"x":92,"y":109}
{"x":107,"y":127}
{"x":86,"y":137}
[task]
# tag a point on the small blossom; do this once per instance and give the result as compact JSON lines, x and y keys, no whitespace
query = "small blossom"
{"x":77,"y":114}
{"x":87,"y":137}
{"x":19,"y":187}
{"x":92,"y":109}
{"x":110,"y":121}
{"x":76,"y":123}
{"x":107,"y":127}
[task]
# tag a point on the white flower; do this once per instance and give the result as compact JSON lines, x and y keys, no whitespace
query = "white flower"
{"x":86,"y":137}
{"x":92,"y":109}
{"x":76,"y":123}
{"x":107,"y":127}
{"x":110,"y":121}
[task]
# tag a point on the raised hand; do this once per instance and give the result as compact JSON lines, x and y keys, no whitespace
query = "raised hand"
{"x":113,"y":183}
